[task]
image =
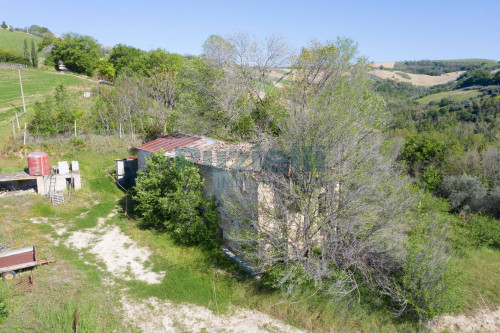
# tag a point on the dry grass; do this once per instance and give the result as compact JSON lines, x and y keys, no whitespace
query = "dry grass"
{"x":417,"y":79}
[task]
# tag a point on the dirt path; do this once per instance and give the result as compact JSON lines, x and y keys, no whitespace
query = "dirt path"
{"x":124,"y":259}
{"x":154,"y":315}
{"x":484,"y":321}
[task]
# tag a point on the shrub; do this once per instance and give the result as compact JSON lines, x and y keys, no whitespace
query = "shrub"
{"x":492,"y":203}
{"x":422,"y":150}
{"x":429,"y":284}
{"x":13,"y":56}
{"x":473,"y":230}
{"x":465,"y":193}
{"x":77,"y":142}
{"x":431,"y":178}
{"x":168,"y":195}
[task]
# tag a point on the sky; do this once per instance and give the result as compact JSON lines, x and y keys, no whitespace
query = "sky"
{"x":383,"y":30}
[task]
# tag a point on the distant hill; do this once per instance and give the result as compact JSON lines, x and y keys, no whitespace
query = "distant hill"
{"x":14,"y":40}
{"x":429,"y":72}
{"x":415,"y":79}
{"x":437,"y":67}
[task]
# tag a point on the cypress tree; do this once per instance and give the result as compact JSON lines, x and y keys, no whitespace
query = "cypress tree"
{"x":26,"y":54}
{"x":34,"y":54}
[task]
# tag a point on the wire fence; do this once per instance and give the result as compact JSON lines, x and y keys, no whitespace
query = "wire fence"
{"x":80,"y":138}
{"x":8,"y":65}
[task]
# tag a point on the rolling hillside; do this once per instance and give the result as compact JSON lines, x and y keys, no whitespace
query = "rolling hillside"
{"x":15,"y":40}
{"x":416,"y":79}
{"x":36,"y":85}
{"x":428,"y":73}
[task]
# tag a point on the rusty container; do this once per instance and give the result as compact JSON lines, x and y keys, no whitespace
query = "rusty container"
{"x":38,"y":163}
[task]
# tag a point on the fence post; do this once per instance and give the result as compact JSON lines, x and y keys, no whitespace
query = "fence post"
{"x":17,"y":119}
{"x":22,"y":92}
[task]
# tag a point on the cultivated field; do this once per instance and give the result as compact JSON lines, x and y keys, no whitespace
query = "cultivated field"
{"x":455,"y":95}
{"x":417,"y":79}
{"x":388,"y":64}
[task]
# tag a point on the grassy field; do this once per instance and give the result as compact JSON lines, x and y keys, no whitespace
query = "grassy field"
{"x":15,"y":40}
{"x":456,"y":95}
{"x":37,"y":84}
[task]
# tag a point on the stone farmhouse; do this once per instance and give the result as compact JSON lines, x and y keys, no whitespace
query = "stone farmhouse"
{"x":227,"y":169}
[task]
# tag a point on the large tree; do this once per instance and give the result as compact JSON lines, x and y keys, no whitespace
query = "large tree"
{"x":232,"y":84}
{"x":123,"y":56}
{"x":336,"y":211}
{"x":78,"y":53}
{"x":34,"y":54}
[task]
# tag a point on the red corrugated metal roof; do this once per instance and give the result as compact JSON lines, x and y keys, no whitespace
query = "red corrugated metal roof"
{"x":170,"y":143}
{"x":222,"y":150}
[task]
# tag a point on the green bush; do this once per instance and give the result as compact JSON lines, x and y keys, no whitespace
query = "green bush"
{"x":13,"y":56}
{"x":168,"y":195}
{"x":474,"y":230}
{"x":77,"y":142}
{"x":431,"y":178}
{"x":429,"y":284}
{"x":465,"y":193}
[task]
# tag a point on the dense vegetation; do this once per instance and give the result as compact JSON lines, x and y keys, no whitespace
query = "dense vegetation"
{"x":438,"y":67}
{"x":169,"y":197}
{"x":448,"y":137}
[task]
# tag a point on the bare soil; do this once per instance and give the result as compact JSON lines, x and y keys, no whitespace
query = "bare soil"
{"x":418,"y":79}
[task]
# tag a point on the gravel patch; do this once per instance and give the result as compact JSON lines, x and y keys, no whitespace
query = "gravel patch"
{"x":155,"y":315}
{"x":121,"y":255}
{"x":484,"y":321}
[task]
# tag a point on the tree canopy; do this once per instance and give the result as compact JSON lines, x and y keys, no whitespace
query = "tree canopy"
{"x":78,"y":53}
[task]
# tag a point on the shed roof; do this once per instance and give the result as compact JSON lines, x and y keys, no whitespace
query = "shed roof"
{"x":170,"y":143}
{"x":178,"y":141}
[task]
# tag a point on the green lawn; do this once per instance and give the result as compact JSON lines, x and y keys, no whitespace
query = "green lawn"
{"x":15,"y":40}
{"x":456,"y":95}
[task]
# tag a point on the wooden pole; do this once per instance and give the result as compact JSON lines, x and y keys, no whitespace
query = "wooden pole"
{"x":120,"y":130}
{"x":24,"y":142}
{"x":22,"y":92}
{"x":75,"y":128}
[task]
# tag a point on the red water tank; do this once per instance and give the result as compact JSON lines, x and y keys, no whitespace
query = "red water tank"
{"x":38,"y":163}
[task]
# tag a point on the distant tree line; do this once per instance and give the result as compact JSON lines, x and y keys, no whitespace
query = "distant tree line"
{"x":438,"y":67}
{"x":478,"y":77}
